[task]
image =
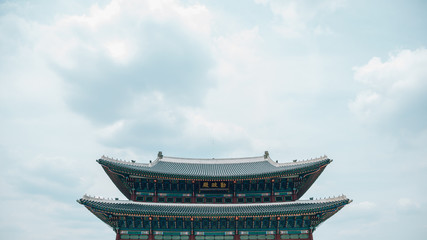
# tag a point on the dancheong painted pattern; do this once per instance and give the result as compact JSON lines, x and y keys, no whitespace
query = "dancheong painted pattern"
{"x":218,"y":199}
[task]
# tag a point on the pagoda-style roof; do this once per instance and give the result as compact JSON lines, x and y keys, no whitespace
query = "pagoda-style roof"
{"x":127,"y":208}
{"x":213,"y":169}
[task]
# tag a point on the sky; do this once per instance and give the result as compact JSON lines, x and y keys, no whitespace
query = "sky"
{"x":212,"y":79}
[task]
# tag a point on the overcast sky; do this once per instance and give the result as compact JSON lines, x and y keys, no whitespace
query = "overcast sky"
{"x":211,"y":79}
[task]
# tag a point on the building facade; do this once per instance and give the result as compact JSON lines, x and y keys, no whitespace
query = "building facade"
{"x":213,"y":199}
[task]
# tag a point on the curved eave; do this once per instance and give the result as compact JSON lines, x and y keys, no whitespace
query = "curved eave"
{"x":326,"y":215}
{"x":312,"y":177}
{"x":115,"y":178}
{"x":280,"y":170}
{"x":326,"y":208}
{"x":98,"y":214}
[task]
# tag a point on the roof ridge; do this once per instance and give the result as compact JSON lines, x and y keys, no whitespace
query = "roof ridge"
{"x":210,"y":160}
{"x":131,"y":162}
{"x":304,"y":161}
{"x":230,"y":158}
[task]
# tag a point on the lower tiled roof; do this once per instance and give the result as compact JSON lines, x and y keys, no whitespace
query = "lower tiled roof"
{"x":302,"y":207}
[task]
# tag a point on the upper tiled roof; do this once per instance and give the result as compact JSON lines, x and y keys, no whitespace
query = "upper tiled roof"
{"x":227,"y":168}
{"x":300,"y":207}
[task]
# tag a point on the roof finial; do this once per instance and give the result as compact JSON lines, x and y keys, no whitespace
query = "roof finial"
{"x":266,"y":154}
{"x":160,"y":155}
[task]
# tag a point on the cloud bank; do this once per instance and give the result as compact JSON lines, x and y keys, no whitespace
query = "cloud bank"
{"x":212,"y":79}
{"x":394,"y":94}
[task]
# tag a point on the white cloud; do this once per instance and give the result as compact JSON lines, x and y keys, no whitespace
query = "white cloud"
{"x":364,"y":99}
{"x":408,"y":203}
{"x":394,"y":93}
{"x":322,"y":30}
{"x":96,"y":16}
{"x":364,"y":209}
{"x":126,"y":50}
{"x":111,"y":130}
{"x":120,"y":50}
{"x":238,"y":54}
{"x":119,"y":28}
{"x":297,"y":18}
{"x":365,"y":205}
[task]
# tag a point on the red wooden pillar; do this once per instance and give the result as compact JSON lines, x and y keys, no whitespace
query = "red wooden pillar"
{"x":236,"y":232}
{"x":234,"y":191}
{"x":310,"y":234}
{"x":155,"y":191}
{"x":151,"y":235}
{"x":193,"y":197}
{"x":294,"y":194}
{"x":236,"y":236}
{"x":192,"y":237}
{"x":118,"y":235}
{"x":273,"y":199}
{"x":277,"y":235}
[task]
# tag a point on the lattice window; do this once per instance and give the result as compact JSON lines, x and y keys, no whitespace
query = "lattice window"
{"x":162,"y":223}
{"x":205,"y":223}
{"x":265,"y":222}
{"x":223,"y":223}
{"x":261,"y":185}
{"x":197,"y":224}
{"x":282,"y":223}
{"x":257,"y":223}
{"x":240,"y":223}
{"x":249,"y":223}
